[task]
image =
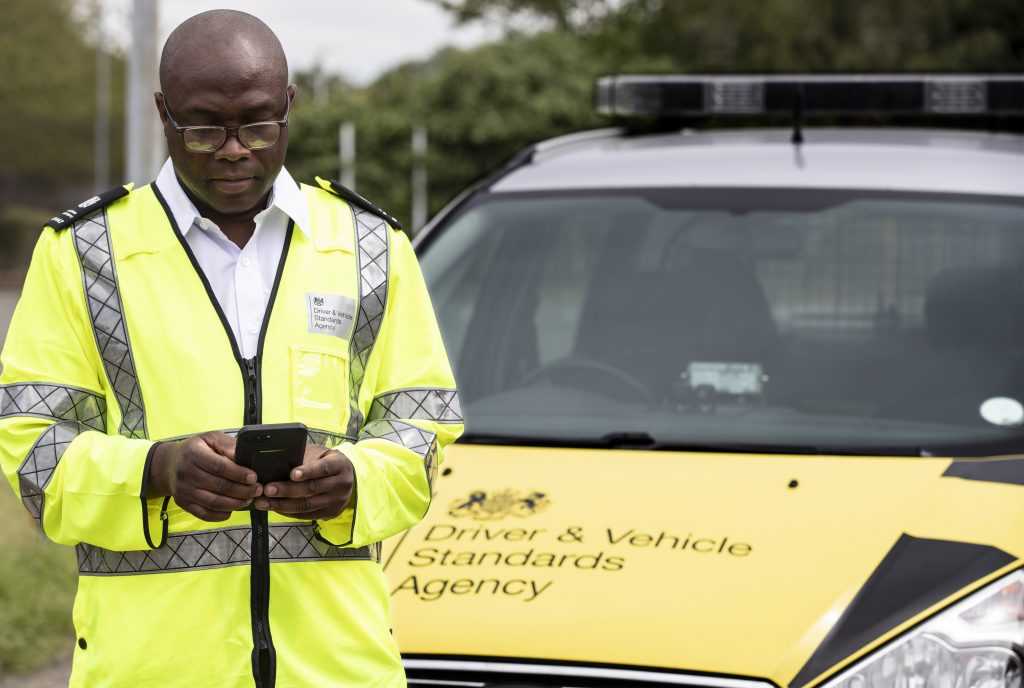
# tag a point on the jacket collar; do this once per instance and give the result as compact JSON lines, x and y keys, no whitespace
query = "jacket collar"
{"x":284,"y":194}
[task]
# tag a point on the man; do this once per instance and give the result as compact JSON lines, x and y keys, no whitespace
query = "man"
{"x":219,"y":296}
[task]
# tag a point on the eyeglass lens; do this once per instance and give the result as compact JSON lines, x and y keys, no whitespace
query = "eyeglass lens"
{"x":252,"y":136}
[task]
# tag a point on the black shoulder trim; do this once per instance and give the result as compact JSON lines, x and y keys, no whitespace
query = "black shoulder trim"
{"x":355,"y":199}
{"x":1009,"y":471}
{"x":916,"y":574}
{"x":67,"y":218}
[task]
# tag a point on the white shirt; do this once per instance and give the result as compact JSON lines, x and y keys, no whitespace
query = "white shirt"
{"x":241,"y":278}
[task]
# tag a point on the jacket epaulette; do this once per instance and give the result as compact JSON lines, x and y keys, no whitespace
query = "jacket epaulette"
{"x":347,"y":194}
{"x":68,"y":217}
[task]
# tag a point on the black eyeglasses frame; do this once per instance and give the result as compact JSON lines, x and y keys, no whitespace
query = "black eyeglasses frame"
{"x":227,"y":131}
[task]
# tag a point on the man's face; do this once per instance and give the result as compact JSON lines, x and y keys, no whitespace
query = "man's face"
{"x":233,"y":179}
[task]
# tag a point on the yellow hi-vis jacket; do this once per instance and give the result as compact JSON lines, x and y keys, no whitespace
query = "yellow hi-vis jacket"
{"x":117,"y":342}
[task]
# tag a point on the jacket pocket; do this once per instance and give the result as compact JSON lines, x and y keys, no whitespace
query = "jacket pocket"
{"x":320,"y":384}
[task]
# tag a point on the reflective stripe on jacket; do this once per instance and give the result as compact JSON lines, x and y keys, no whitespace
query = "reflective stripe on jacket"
{"x":116,"y":342}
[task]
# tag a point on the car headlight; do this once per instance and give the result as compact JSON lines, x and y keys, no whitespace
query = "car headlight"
{"x":974,"y":644}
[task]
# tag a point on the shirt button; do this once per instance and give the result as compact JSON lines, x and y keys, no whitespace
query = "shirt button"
{"x":245,"y":262}
{"x":254,"y":330}
{"x":204,"y":223}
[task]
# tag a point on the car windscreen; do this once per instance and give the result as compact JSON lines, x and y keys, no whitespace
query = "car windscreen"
{"x":790,"y":320}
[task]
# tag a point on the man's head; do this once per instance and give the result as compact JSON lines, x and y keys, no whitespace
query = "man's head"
{"x":224,"y":68}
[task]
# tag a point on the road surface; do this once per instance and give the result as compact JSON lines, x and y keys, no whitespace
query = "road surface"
{"x":54,"y":676}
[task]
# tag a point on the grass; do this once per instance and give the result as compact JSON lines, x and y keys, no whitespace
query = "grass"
{"x":37,"y":588}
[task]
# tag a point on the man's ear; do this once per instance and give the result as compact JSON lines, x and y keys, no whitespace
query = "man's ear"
{"x":158,"y":100}
{"x":292,"y":89}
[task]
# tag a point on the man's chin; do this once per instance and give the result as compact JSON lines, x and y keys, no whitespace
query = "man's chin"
{"x":234,"y":198}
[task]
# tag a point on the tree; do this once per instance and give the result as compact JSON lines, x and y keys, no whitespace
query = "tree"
{"x":563,"y":15}
{"x":480,"y":106}
{"x":784,"y":35}
{"x":484,"y":104}
{"x":47,"y":95}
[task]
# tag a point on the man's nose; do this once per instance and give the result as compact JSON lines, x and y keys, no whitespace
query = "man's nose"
{"x":232,"y":148}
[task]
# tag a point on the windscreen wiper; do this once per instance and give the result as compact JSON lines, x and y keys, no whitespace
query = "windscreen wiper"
{"x":646,"y":441}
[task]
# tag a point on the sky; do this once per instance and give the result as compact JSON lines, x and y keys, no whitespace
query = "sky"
{"x":358,"y":39}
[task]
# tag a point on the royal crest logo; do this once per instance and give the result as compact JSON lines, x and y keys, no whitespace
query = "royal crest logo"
{"x":317,"y":301}
{"x":491,"y":506}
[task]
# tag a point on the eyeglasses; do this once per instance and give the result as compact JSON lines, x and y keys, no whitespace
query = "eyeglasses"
{"x":207,"y":139}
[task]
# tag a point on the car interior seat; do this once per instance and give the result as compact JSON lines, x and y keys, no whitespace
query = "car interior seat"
{"x":705,"y":306}
{"x":974,"y":326}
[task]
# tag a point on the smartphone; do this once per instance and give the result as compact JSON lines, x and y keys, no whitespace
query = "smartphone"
{"x":271,"y":450}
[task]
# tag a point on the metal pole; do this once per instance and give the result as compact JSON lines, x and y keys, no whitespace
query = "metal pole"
{"x":101,"y":124}
{"x":419,"y":177}
{"x":143,"y":149}
{"x":319,"y":82}
{"x":347,"y":153}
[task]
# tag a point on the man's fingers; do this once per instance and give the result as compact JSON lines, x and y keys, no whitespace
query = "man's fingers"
{"x":222,"y":486}
{"x":328,"y":464}
{"x":220,"y":443}
{"x":222,"y":467}
{"x":322,"y":485}
{"x":209,"y":506}
{"x":303,"y":488}
{"x":217,"y":502}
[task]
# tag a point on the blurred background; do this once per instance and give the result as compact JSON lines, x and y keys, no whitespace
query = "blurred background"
{"x":408,"y":101}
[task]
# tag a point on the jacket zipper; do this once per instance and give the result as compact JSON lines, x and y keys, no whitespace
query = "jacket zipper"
{"x":264,"y":657}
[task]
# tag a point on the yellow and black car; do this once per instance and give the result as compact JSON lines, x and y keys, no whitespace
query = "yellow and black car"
{"x":744,"y":408}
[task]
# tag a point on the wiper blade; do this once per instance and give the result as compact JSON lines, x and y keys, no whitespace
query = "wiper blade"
{"x":796,"y":449}
{"x":646,"y":441}
{"x":525,"y":440}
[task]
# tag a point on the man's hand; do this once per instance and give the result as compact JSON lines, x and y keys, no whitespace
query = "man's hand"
{"x":201,"y":474}
{"x":319,"y":489}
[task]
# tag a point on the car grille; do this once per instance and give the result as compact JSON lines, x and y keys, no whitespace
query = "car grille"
{"x":423,"y":672}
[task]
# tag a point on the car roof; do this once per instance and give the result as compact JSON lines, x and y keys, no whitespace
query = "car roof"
{"x":916,"y":160}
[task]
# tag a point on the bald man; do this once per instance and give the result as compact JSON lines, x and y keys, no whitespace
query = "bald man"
{"x":154,"y":322}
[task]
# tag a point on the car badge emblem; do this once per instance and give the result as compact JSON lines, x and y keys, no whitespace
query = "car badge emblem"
{"x":491,"y":506}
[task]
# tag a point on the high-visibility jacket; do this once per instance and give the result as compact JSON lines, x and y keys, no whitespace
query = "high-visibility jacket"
{"x":117,"y":341}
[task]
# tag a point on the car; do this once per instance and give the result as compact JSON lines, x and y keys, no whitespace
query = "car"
{"x":744,"y":406}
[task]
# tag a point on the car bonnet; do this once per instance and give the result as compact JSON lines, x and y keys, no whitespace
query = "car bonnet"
{"x":784,"y":568}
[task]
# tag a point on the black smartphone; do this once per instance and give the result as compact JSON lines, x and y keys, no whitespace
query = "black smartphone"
{"x":271,"y":450}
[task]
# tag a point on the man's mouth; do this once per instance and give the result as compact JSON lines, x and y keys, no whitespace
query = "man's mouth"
{"x":233,"y":184}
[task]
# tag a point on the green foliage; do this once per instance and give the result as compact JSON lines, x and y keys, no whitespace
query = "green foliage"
{"x":832,"y":36}
{"x":37,"y":587}
{"x":509,"y":94}
{"x":564,"y":15}
{"x":479,"y":107}
{"x":482,"y":105}
{"x":785,"y":35}
{"x":48,"y":93}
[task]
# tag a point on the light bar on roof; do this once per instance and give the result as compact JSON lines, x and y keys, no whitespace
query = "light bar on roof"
{"x":838,"y":94}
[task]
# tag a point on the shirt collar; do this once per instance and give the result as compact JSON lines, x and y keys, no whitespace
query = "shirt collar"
{"x":284,"y":195}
